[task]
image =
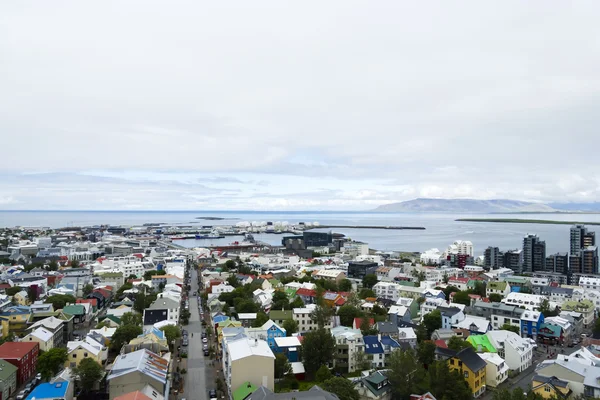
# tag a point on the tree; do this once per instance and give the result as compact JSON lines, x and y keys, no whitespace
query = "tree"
{"x":131,"y":318}
{"x":233,"y":281}
{"x":318,"y":348}
{"x":509,"y":327}
{"x":432,"y":321}
{"x":149,"y":274}
{"x":52,"y":265}
{"x":544,"y":308}
{"x":32,"y":293}
{"x":51,"y":362}
{"x":446,"y":384}
{"x":378,"y":310}
{"x":462,"y":297}
{"x":245,"y":305}
{"x":280,"y":301}
{"x":290,"y":326}
{"x":172,"y":333}
{"x":123,"y":335}
{"x":364,"y":293}
{"x":369,"y":280}
{"x":517,"y":394}
{"x":323,"y":373}
{"x":479,"y":288}
{"x":87,"y":289}
{"x":449,"y":290}
{"x":495,"y":297}
{"x":455,"y":343}
{"x":405,"y":374}
{"x":362,"y":361}
{"x":345,"y":285}
{"x":322,"y":315}
{"x":74,"y":264}
{"x":282,"y":366}
{"x":446,"y":278}
{"x":342,"y":387}
{"x":88,"y":372}
{"x":230,"y":264}
{"x":347,"y":313}
{"x":297,"y":303}
{"x":426,"y":352}
{"x":11,"y":291}
{"x":421,"y":332}
{"x":365,"y":326}
{"x":260,"y":320}
{"x":59,"y":301}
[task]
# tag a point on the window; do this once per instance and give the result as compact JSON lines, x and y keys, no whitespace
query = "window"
{"x":466,"y":374}
{"x":547,"y":389}
{"x":74,"y":355}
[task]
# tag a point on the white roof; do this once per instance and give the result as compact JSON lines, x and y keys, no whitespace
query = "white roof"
{"x":492,"y":358}
{"x":105,"y":331}
{"x":50,"y":323}
{"x":406,"y":333}
{"x":143,"y":361}
{"x":247,"y":316}
{"x":331,"y":273}
{"x":42,"y":333}
{"x":297,"y":368}
{"x":589,"y":373}
{"x":399,"y":310}
{"x":481,"y":323}
{"x":530,"y":316}
{"x":245,"y":347}
{"x":74,"y":345}
{"x":291,"y":341}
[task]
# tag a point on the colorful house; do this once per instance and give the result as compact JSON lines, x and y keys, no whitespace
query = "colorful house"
{"x":472,"y":367}
{"x":550,"y":387}
{"x":289,"y":346}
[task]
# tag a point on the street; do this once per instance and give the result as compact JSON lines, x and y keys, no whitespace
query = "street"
{"x":199,"y":378}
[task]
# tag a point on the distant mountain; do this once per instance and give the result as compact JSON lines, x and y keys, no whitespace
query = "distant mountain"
{"x":581,"y":207}
{"x":465,"y":205}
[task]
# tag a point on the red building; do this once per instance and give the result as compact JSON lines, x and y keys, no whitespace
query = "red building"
{"x":24,"y":356}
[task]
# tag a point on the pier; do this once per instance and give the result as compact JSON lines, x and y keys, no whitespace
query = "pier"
{"x":368,"y":227}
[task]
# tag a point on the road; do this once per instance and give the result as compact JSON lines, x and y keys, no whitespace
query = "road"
{"x":200,"y":377}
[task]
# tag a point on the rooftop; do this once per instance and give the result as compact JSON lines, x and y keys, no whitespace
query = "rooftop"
{"x":16,"y":350}
{"x":56,"y":390}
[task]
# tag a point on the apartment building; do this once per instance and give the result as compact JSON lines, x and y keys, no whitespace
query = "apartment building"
{"x":387,"y":290}
{"x":349,"y":343}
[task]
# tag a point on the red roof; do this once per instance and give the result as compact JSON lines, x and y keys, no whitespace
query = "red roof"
{"x":306,"y":292}
{"x":4,"y":285}
{"x":340,"y":301}
{"x":461,"y":280}
{"x":137,"y":395}
{"x":359,"y":321}
{"x":103,"y":292}
{"x":93,"y":302}
{"x":139,"y":255}
{"x":16,"y":350}
{"x":441,"y":343}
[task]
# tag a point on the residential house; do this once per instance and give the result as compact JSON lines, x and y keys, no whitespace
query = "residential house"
{"x":528,"y":301}
{"x":147,"y":393}
{"x":450,"y":316}
{"x":247,"y":319}
{"x":314,"y":393}
{"x":42,"y":336}
{"x":60,"y":389}
{"x":501,"y":288}
{"x":472,"y":367}
{"x":431,"y":304}
{"x":550,"y":334}
{"x":39,"y":307}
{"x":349,"y":344}
{"x":279,"y":316}
{"x":498,"y":313}
{"x":8,"y":380}
{"x":54,"y":325}
{"x":15,"y":320}
{"x":163,"y":309}
{"x":550,"y":387}
{"x":496,"y":370}
{"x":268,"y":332}
{"x":475,"y":325}
{"x":557,"y":294}
{"x":582,"y":378}
{"x":566,"y":328}
{"x":374,"y":351}
{"x":515,"y":350}
{"x":78,"y":312}
{"x":387,"y":290}
{"x":86,"y":348}
{"x":133,"y":371}
{"x":151,"y":336}
{"x":290,"y":346}
{"x":308,"y":296}
{"x":375,"y":386}
{"x":22,"y":298}
{"x":24,"y":356}
{"x":336,"y":275}
{"x":222,"y":288}
{"x":247,"y":360}
{"x":407,"y":335}
{"x":531,"y":322}
{"x":585,"y":307}
{"x":399,"y":314}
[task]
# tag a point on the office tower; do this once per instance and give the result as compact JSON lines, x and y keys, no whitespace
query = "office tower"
{"x":534,"y":254}
{"x":558,"y":263}
{"x":492,"y":258}
{"x":513,"y":259}
{"x":581,"y":238}
{"x":589,"y":260}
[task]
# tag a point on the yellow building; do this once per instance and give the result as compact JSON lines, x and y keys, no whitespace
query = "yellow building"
{"x":78,"y":350}
{"x":226,"y":324}
{"x":16,"y":318}
{"x":472,"y":367}
{"x":550,"y":387}
{"x":21,"y":298}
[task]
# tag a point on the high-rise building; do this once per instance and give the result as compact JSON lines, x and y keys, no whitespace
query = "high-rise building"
{"x":558,"y":263}
{"x":581,"y":238}
{"x":534,"y":254}
{"x":513,"y":259}
{"x":589,"y":260}
{"x":492,"y":258}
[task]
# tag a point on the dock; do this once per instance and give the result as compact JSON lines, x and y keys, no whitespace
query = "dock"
{"x":421,"y":228}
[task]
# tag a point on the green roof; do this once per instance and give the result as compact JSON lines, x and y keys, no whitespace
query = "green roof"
{"x":291,"y":293}
{"x":6,"y":370}
{"x":484,"y":341}
{"x":280,"y":314}
{"x":274,"y":282}
{"x":497,"y":285}
{"x":554,"y":330}
{"x":74,"y":309}
{"x":243,"y":391}
{"x":113,"y":318}
{"x":583,"y":305}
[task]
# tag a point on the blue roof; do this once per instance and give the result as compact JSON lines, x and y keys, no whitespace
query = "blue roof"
{"x":386,"y":340}
{"x":372,"y":345}
{"x":220,"y":318}
{"x":56,"y":390}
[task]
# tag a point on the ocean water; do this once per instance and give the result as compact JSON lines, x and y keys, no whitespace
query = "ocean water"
{"x":440,"y":229}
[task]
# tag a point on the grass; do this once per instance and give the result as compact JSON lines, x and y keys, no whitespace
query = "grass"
{"x":526,"y":221}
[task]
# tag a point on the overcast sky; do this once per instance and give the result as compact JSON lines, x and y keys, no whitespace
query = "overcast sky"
{"x":266,"y":105}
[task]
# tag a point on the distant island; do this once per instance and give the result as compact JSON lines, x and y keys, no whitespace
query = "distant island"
{"x":499,"y":206}
{"x":526,"y":221}
{"x":212,"y":218}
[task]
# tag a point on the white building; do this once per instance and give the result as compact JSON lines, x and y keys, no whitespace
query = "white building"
{"x":431,"y":256}
{"x":515,"y":350}
{"x":431,"y":304}
{"x":387,"y":290}
{"x":496,"y":370}
{"x":592,"y":295}
{"x":305,"y":322}
{"x":248,"y":360}
{"x":589,"y":283}
{"x":350,"y":340}
{"x":43,"y":336}
{"x":461,"y":247}
{"x":527,"y":300}
{"x":330,"y":274}
{"x":222,"y":288}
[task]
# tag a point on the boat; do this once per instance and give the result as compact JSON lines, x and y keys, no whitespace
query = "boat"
{"x":200,"y":237}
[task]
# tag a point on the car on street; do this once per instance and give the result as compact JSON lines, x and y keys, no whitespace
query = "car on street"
{"x":204,"y":340}
{"x":21,"y":395}
{"x":212,"y":394}
{"x":206,"y":352}
{"x":203,"y":335}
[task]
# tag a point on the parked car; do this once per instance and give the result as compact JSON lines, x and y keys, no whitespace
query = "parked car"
{"x":206,"y":353}
{"x":212,"y":394}
{"x":38,"y":376}
{"x":204,"y":340}
{"x":21,"y":395}
{"x":203,"y":335}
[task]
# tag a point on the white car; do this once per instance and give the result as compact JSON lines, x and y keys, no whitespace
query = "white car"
{"x":204,"y":340}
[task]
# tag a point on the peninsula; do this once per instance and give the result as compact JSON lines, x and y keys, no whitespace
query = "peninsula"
{"x":526,"y":221}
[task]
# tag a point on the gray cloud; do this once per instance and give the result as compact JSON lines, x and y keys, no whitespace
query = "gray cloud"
{"x":245,"y":105}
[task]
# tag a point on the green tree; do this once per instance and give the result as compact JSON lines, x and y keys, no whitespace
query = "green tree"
{"x":342,"y":387}
{"x":11,"y":291}
{"x":245,"y":305}
{"x":364,"y":293}
{"x":260,"y":320}
{"x":233,"y":281}
{"x":280,"y":301}
{"x":230,"y":264}
{"x":462,"y":297}
{"x":421,"y":332}
{"x":282,"y":366}
{"x":53,"y":266}
{"x":59,"y":301}
{"x":32,"y":293}
{"x":290,"y":326}
{"x":51,"y":362}
{"x":479,"y":288}
{"x":123,"y":335}
{"x":495,"y":297}
{"x":318,"y":348}
{"x":369,"y":281}
{"x":544,"y":308}
{"x":509,"y":327}
{"x":322,"y":315}
{"x":347,"y":313}
{"x":362,"y":361}
{"x":432,"y":321}
{"x":74,"y":264}
{"x":517,"y":394}
{"x":449,"y":290}
{"x":172,"y":333}
{"x":87,"y":289}
{"x":297,"y":303}
{"x":87,"y":373}
{"x":345,"y":285}
{"x":455,"y":343}
{"x":426,"y":352}
{"x":323,"y":373}
{"x":406,"y":375}
{"x":446,"y":384}
{"x":131,"y":318}
{"x":149,"y":274}
{"x":446,"y":278}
